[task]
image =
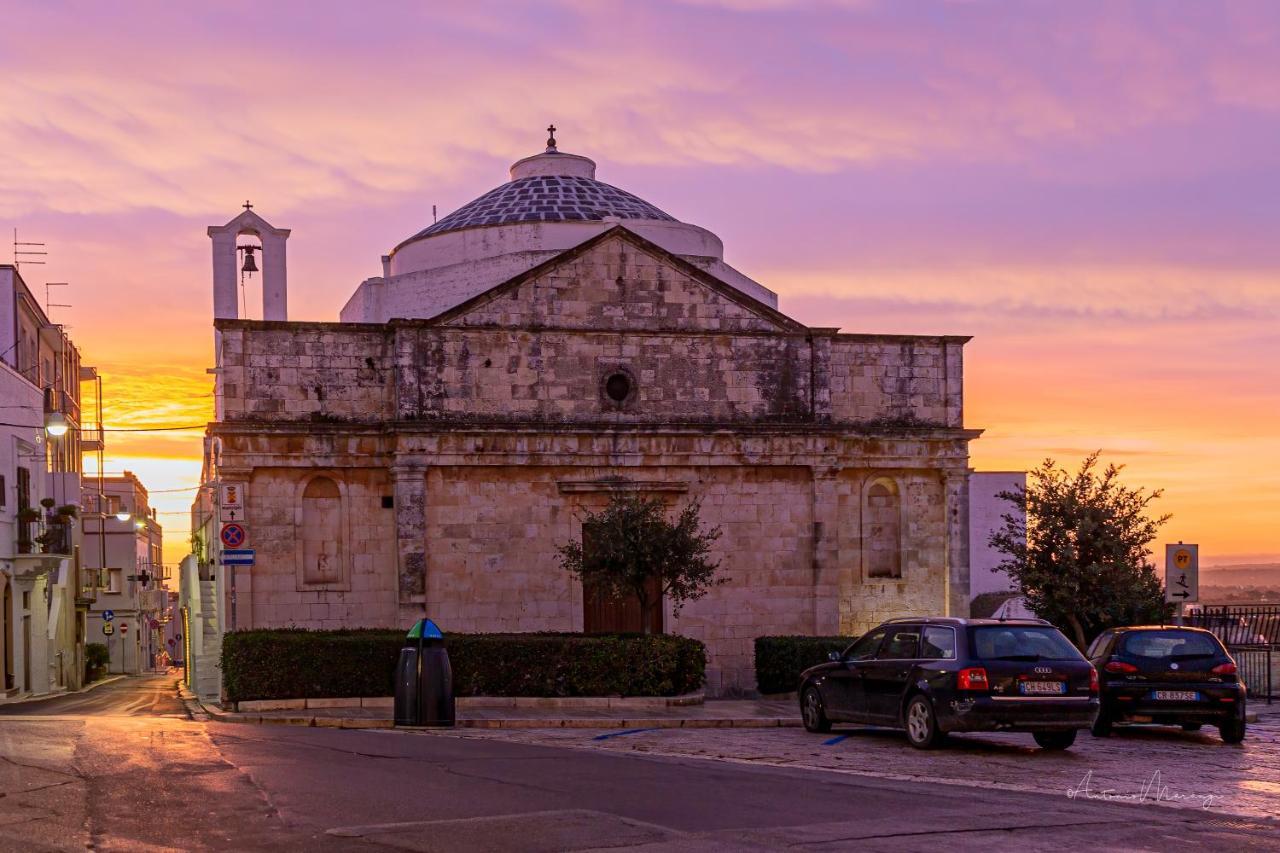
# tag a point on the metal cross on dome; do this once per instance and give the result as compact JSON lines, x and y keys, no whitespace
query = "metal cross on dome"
{"x":551,"y":138}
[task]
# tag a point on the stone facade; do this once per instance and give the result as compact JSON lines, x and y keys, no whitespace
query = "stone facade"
{"x":447,"y":457}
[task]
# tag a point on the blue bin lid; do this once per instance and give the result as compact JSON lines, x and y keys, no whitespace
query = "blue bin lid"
{"x":426,"y":629}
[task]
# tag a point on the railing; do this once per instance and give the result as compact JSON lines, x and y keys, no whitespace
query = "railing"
{"x":1255,"y":665}
{"x":1240,"y":624}
{"x":55,"y":538}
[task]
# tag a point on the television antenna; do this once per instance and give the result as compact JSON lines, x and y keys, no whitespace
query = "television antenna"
{"x":47,"y":293}
{"x":26,"y":250}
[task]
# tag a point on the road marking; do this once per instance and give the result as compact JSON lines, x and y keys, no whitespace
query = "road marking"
{"x":835,"y":740}
{"x":621,"y":733}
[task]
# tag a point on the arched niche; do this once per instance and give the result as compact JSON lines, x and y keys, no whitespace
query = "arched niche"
{"x":882,"y":529}
{"x":323,"y":538}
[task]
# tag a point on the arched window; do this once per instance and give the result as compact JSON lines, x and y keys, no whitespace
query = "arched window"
{"x":322,"y":527}
{"x":883,"y":530}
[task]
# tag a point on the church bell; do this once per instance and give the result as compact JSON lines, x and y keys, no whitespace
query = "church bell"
{"x":250,"y":265}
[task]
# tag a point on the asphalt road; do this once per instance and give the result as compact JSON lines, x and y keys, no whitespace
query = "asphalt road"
{"x":121,"y":768}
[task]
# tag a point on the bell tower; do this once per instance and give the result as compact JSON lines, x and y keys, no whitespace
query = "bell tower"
{"x":228,"y":266}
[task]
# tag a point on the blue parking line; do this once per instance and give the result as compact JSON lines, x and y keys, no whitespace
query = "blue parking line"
{"x":621,"y":733}
{"x":835,"y":740}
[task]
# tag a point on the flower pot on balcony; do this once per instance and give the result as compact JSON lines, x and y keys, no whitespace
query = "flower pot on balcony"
{"x":47,"y":503}
{"x":69,"y":510}
{"x":28,"y":514}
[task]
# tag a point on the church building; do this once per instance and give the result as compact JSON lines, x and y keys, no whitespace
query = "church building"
{"x":554,"y":342}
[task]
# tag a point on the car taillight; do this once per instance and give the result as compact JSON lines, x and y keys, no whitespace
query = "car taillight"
{"x":973,"y":678}
{"x":1224,"y":669}
{"x":1120,"y":666}
{"x":1093,"y":680}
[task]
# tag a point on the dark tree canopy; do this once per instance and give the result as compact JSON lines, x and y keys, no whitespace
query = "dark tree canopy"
{"x":1082,"y":557}
{"x":632,"y":541}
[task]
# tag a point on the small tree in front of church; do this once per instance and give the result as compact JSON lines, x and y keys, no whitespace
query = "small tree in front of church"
{"x":1078,"y":547}
{"x":634,"y":549}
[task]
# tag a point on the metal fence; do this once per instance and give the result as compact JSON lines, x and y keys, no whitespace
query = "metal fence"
{"x":1257,"y":671}
{"x":1251,"y":633}
{"x":1240,"y":624}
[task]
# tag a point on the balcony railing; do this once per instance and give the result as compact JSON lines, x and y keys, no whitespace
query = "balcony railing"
{"x":91,"y":438}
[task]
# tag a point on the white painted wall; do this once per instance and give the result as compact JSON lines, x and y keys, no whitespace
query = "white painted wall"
{"x":985,"y":516}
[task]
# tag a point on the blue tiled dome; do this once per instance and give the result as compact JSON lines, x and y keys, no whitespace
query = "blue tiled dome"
{"x":546,"y":198}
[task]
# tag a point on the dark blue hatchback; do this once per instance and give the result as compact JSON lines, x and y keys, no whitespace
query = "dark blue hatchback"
{"x":935,"y":675}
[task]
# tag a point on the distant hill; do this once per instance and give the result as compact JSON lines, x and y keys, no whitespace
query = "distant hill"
{"x":1244,"y":574}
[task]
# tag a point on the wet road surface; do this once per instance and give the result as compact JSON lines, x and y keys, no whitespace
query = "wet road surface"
{"x":121,"y":768}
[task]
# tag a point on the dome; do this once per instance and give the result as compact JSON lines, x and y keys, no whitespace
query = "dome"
{"x":552,"y":203}
{"x":551,"y":187}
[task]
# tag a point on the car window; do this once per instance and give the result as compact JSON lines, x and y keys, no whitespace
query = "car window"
{"x":865,"y":649}
{"x":902,"y":643}
{"x":1022,"y":642}
{"x":939,"y":643}
{"x":1099,"y":642}
{"x":1169,"y":645}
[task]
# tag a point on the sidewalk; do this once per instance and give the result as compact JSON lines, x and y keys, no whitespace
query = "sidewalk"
{"x":55,"y":694}
{"x":738,"y":713}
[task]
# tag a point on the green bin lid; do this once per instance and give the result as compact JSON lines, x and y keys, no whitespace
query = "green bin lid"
{"x":426,"y":629}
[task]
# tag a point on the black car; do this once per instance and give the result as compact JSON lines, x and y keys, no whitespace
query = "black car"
{"x":1169,"y":675}
{"x":936,"y":675}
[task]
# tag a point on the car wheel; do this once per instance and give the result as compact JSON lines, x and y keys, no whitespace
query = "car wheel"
{"x":922,"y":724}
{"x":813,"y":712}
{"x":1055,"y":740}
{"x":1192,"y":727}
{"x":1232,"y":730}
{"x":1102,"y":725}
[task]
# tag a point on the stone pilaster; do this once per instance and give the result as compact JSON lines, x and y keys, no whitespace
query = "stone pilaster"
{"x":955,"y":488}
{"x":411,"y":532}
{"x":826,"y":551}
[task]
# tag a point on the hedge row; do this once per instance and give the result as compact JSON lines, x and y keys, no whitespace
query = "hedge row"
{"x":298,"y":664}
{"x":780,"y":660}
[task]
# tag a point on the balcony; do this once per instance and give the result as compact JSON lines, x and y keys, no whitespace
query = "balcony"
{"x":91,"y":439}
{"x":61,"y":401}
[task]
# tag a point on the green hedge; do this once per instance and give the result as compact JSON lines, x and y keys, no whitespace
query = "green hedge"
{"x":297,"y":664}
{"x":780,"y":660}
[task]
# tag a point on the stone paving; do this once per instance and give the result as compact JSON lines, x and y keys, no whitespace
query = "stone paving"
{"x":1156,"y":766}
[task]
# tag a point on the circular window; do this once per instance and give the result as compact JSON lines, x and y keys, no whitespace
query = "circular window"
{"x":618,"y":387}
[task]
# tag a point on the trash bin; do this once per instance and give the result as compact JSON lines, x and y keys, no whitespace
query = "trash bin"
{"x":424,"y":679}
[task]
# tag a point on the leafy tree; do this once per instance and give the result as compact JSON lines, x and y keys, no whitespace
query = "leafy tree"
{"x":632,"y":541}
{"x":1081,"y":557}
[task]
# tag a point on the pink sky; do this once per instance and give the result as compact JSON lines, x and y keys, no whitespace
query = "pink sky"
{"x":1092,"y":190}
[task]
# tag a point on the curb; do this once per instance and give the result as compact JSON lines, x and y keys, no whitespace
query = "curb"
{"x":486,"y":703}
{"x":94,"y":685}
{"x":220,"y":716}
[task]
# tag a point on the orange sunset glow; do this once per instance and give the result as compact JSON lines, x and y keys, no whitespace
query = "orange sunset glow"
{"x":1090,"y":194}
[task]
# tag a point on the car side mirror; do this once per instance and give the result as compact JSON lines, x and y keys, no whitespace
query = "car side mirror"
{"x":833,"y":656}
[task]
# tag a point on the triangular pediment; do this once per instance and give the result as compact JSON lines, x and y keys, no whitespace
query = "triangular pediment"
{"x":618,"y":281}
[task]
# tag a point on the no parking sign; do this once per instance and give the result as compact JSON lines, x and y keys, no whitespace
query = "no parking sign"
{"x":233,"y":535}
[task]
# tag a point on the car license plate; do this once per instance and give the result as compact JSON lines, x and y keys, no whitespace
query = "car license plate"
{"x":1043,"y":688}
{"x":1177,"y":695}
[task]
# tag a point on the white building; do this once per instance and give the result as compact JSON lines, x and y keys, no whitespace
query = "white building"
{"x":123,"y":539}
{"x":986,"y":515}
{"x":43,"y":590}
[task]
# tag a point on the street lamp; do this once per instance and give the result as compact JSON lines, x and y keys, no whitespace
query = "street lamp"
{"x":55,"y":423}
{"x":123,"y":513}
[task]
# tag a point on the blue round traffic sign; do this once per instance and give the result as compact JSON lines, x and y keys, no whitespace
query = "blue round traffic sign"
{"x":108,"y":615}
{"x":233,"y":535}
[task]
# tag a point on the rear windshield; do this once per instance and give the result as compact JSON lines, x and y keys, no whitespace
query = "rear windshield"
{"x":1022,"y":642}
{"x":1169,"y":645}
